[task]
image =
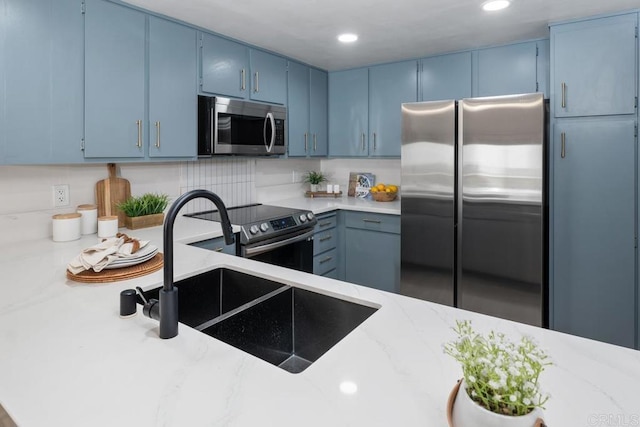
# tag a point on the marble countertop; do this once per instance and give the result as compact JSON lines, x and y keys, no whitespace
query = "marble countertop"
{"x":67,"y":358}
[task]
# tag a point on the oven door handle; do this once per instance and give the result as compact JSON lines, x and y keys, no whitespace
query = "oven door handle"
{"x":260,"y":249}
{"x":270,"y":118}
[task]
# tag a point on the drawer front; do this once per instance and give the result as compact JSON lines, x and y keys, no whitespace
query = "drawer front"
{"x":325,"y":262}
{"x":217,"y":245}
{"x":333,"y":274}
{"x":324,"y":240}
{"x":325,"y":223}
{"x":373,"y":221}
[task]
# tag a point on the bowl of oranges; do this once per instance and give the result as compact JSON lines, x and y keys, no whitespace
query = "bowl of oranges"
{"x":384,"y":193}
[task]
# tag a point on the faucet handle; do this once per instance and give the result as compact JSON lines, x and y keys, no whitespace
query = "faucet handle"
{"x":150,"y":307}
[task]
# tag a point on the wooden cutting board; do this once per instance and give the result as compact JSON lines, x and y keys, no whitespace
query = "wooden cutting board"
{"x":110,"y":192}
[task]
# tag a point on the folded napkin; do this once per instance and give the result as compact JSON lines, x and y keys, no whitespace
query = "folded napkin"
{"x":97,"y":257}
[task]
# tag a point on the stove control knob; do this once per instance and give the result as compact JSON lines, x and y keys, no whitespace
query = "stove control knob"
{"x":264,"y":227}
{"x":303,"y":218}
{"x":309,"y":216}
{"x":253,"y":229}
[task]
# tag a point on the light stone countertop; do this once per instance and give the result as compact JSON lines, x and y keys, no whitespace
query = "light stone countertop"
{"x":68,"y":359}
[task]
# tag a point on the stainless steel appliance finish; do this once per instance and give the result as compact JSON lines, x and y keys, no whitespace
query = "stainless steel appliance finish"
{"x":231,"y":126}
{"x":272,"y":234}
{"x":474,"y":205}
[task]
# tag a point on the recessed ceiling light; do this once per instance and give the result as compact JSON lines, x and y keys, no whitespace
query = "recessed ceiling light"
{"x":348,"y":37}
{"x":494,"y":5}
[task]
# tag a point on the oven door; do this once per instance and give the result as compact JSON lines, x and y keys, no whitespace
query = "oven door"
{"x":293,"y":251}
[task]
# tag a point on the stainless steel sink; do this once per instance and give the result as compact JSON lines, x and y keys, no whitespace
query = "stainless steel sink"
{"x":285,"y":326}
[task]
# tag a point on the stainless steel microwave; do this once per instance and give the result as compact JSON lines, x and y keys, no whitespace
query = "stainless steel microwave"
{"x":231,"y":126}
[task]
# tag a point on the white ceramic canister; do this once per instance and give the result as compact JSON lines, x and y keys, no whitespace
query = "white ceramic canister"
{"x":336,"y":188}
{"x":329,"y":188}
{"x":89,"y":218}
{"x":66,"y":227}
{"x":107,"y":226}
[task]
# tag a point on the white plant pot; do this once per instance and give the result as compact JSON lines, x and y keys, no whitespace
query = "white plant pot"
{"x":314,"y":187}
{"x":467,"y":413}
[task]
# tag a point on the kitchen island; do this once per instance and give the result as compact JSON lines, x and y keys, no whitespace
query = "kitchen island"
{"x":68,"y":359}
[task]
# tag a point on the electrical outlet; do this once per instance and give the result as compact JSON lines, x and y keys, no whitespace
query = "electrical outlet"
{"x":60,"y":195}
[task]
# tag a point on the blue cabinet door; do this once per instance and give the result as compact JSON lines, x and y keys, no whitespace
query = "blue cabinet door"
{"x":268,"y":77}
{"x":318,"y":111}
{"x":3,"y":62}
{"x":389,"y":86}
{"x":348,"y":112}
{"x":593,"y":215}
{"x":172,"y":89}
{"x":225,"y":67}
{"x":594,"y":67}
{"x":114,"y":80}
{"x":506,"y":70}
{"x":298,"y":110}
{"x":41,"y":54}
{"x":446,"y":77}
{"x":372,"y":259}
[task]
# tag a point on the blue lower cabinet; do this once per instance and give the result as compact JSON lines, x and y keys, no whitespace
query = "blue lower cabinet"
{"x":372,"y":250}
{"x":325,"y":262}
{"x":593,"y":219}
{"x":325,"y":245}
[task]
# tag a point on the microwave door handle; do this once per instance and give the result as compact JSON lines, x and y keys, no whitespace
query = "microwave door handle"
{"x":273,"y":131}
{"x":214,"y":133}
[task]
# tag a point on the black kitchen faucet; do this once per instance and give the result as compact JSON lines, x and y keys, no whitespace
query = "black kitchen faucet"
{"x":167,"y":310}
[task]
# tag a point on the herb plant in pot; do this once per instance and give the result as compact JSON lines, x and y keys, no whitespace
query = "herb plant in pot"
{"x":500,"y":386}
{"x":314,"y":179}
{"x":144,"y":211}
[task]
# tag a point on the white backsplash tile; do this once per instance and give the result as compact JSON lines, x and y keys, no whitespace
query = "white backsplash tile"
{"x":28,"y":194}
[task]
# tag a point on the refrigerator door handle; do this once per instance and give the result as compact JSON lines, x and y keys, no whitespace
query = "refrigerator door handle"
{"x":563,"y":138}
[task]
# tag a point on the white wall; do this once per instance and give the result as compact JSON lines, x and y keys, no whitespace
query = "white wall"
{"x":386,"y":171}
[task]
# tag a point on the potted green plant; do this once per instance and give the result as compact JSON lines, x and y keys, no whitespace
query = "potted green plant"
{"x":500,"y":385}
{"x":144,"y":211}
{"x":314,"y":179}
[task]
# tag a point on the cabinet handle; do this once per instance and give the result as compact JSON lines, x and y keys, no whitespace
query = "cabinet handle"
{"x":139,"y":123}
{"x":323,"y":239}
{"x":257,"y":89}
{"x":563,"y":101}
{"x":305,"y":142}
{"x":374,"y":141}
{"x":363,"y":136}
{"x":157,"y":134}
{"x":243,"y":79}
{"x":374,"y":221}
{"x":562,"y":144}
{"x":327,"y":259}
{"x":324,"y":224}
{"x":315,"y":143}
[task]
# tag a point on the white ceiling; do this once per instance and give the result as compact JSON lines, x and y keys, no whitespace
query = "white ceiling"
{"x":389,"y":30}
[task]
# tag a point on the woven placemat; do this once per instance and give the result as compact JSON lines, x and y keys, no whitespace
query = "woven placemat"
{"x":116,"y":274}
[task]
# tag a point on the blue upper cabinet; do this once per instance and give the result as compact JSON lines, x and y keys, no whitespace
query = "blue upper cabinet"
{"x":307,"y":111}
{"x":446,"y":77}
{"x":506,"y":70}
{"x":390,"y":85}
{"x":232,"y":69}
{"x":594,"y":67}
{"x":349,"y":112}
{"x":268,"y":77}
{"x":172,"y":89}
{"x":318,"y":111}
{"x":41,"y":69}
{"x":114,"y":81}
{"x":298,"y":110}
{"x":225,"y":67}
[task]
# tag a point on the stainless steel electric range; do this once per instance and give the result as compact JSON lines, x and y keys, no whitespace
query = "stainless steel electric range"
{"x":272,"y":234}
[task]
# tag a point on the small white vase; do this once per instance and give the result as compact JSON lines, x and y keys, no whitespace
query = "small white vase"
{"x":314,"y":187}
{"x":467,"y":413}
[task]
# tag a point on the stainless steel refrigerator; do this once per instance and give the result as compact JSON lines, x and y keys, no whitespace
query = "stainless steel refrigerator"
{"x":474,"y":205}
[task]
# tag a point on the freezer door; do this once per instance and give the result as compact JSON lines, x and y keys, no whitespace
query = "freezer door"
{"x":428,"y":200}
{"x":501,"y":250}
